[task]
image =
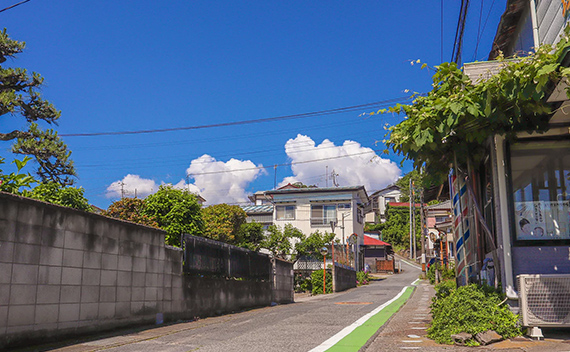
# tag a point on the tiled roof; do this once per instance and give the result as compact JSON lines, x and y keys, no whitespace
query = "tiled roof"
{"x":258,"y":209}
{"x":440,"y":206}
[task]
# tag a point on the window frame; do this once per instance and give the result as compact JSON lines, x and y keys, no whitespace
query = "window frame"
{"x":287,"y":209}
{"x":511,"y":196}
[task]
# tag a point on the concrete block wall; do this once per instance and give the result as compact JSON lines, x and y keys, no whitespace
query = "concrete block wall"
{"x":283,"y":283}
{"x":344,"y":277}
{"x":65,"y":272}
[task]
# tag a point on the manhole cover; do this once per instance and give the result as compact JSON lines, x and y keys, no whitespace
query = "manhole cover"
{"x":362,"y":303}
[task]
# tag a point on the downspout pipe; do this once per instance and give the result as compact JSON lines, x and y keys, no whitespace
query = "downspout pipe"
{"x":534,"y":20}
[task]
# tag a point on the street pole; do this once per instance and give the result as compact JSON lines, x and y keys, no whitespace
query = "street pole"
{"x":414,"y":227}
{"x":410,"y":202}
{"x":324,"y":252}
{"x":423,"y":229}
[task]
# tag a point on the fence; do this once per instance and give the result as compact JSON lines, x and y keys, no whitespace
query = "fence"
{"x":203,"y":256}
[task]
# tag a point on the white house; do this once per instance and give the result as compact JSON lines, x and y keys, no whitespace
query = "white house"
{"x":312,"y":209}
{"x":376,"y":211}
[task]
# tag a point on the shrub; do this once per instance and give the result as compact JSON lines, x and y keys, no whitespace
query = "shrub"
{"x":472,"y":309}
{"x":317,"y":282}
{"x":303,"y":282}
{"x":444,"y":289}
{"x":445,"y":273}
{"x":362,"y":278}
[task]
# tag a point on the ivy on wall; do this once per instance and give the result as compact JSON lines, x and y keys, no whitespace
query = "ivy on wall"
{"x":457,"y":116}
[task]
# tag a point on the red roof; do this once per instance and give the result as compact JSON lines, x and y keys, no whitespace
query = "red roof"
{"x":370,"y":241}
{"x":397,"y":204}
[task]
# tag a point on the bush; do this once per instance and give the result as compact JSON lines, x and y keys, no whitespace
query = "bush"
{"x":444,"y":273}
{"x":362,"y":278}
{"x":444,"y":289}
{"x":472,"y":309}
{"x":303,"y":282}
{"x":317,"y":282}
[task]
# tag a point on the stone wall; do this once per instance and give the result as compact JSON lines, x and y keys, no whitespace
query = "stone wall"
{"x":65,"y":272}
{"x":344,"y":277}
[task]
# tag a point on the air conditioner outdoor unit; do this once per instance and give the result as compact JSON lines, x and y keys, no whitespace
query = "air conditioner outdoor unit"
{"x":544,"y":300}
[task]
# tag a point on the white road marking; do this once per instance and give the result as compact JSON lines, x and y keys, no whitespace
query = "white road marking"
{"x":347,"y":330}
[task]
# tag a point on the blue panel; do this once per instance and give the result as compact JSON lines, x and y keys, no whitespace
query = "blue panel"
{"x":463,"y":190}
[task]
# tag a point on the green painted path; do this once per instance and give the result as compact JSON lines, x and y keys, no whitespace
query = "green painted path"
{"x":358,"y":337}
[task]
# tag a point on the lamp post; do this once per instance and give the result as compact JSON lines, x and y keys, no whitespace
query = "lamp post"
{"x":324,"y":252}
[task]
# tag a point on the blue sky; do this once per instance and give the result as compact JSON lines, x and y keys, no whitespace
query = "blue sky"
{"x":137,"y":65}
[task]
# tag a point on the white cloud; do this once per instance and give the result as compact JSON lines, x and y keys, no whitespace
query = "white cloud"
{"x":361,"y":166}
{"x":131,"y":185}
{"x":216,"y":181}
{"x":219,"y":182}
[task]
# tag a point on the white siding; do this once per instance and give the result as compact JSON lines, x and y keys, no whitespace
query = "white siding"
{"x":551,"y":21}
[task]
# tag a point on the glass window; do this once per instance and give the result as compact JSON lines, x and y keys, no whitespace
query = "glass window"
{"x":540,"y":174}
{"x":344,"y":206}
{"x":439,"y":219}
{"x":285,"y":212}
{"x":323,"y":214}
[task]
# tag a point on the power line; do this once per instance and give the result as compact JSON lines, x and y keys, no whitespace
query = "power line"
{"x":484,"y":26}
{"x":460,"y":30}
{"x":242,"y":122}
{"x":11,"y":7}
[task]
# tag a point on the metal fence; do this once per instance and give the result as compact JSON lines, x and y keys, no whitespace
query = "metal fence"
{"x":203,"y":256}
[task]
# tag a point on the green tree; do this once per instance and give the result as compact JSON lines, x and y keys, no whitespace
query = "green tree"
{"x":131,"y":209}
{"x":250,"y":236}
{"x":404,"y":184}
{"x":312,"y":244}
{"x":279,"y":241}
{"x":12,"y":182}
{"x":396,"y":229}
{"x":222,"y":222}
{"x":54,"y":193}
{"x":176,"y":211}
{"x":19,"y":96}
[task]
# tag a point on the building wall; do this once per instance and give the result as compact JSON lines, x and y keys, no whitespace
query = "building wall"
{"x":67,"y":272}
{"x":302,"y":219}
{"x":551,"y":21}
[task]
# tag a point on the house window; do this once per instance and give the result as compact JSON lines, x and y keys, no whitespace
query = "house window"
{"x":540,"y":174}
{"x":439,"y":219}
{"x":285,"y":212}
{"x":323,"y":214}
{"x":344,"y":206}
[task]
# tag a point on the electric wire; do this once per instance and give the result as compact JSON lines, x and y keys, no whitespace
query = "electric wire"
{"x":11,"y":7}
{"x":241,"y":122}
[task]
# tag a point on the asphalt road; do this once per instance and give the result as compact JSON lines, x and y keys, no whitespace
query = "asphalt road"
{"x":300,"y":326}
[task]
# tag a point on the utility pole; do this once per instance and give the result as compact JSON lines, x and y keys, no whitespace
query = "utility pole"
{"x":122,"y":189}
{"x":423,"y":228}
{"x":326,"y":176}
{"x":275,"y":176}
{"x":414,"y":222}
{"x":410,"y":202}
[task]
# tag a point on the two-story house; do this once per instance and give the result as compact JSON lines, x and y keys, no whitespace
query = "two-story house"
{"x":376,"y":211}
{"x":314,"y":209}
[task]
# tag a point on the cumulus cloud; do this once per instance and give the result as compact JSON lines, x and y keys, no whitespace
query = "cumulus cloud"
{"x":223,"y":182}
{"x":216,"y":181}
{"x":131,"y":185}
{"x":355,"y":165}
